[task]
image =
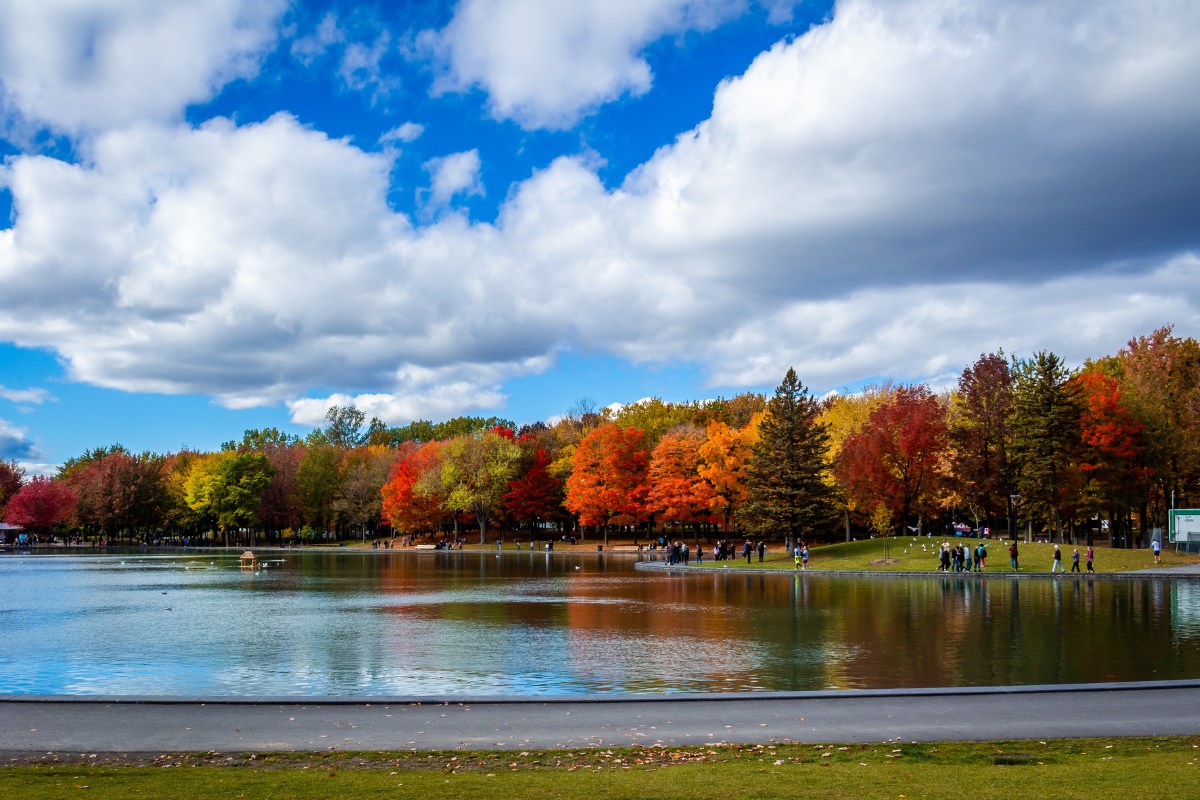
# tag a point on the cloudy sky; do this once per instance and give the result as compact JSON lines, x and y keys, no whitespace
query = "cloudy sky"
{"x":224,"y":214}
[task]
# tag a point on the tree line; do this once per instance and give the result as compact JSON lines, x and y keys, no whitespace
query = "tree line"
{"x":1020,"y":443}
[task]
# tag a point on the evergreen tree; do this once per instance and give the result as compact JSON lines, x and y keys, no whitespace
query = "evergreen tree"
{"x":1045,"y":434}
{"x":786,"y":477}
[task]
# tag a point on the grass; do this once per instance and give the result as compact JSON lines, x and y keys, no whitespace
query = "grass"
{"x":905,"y":554}
{"x":1094,"y":769}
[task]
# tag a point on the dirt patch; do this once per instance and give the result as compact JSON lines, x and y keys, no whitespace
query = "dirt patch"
{"x":884,"y":562}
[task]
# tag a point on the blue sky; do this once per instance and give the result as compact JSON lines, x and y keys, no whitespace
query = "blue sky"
{"x":224,"y":214}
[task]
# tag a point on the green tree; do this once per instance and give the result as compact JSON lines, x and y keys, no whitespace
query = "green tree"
{"x":981,"y":412}
{"x":474,"y":473}
{"x":317,"y":480}
{"x":787,"y":477}
{"x":1046,"y":436}
{"x":227,"y":487}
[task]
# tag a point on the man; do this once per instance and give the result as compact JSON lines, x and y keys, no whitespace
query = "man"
{"x":1056,"y":565}
{"x":1013,"y":556}
{"x":746,"y":549}
{"x":1156,"y":547}
{"x":762,"y":551}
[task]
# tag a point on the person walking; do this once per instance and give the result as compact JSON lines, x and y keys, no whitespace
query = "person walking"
{"x":1075,"y":560}
{"x":980,"y":557}
{"x":804,"y":555}
{"x":1156,"y":548}
{"x":762,"y":551}
{"x":797,"y":554}
{"x":1056,"y":564}
{"x":1091,"y":555}
{"x":1014,"y":556}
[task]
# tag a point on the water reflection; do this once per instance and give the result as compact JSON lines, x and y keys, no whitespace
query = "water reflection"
{"x":537,"y":624}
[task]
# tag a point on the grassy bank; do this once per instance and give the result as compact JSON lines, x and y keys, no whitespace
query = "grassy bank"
{"x":919,"y":554}
{"x":1078,"y":768}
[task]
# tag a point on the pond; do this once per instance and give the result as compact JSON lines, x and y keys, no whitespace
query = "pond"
{"x":461,"y":623}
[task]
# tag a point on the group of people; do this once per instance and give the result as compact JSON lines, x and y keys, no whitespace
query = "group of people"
{"x":960,"y":558}
{"x":1056,"y":564}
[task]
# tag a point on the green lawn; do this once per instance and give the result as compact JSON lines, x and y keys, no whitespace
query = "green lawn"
{"x":1092,"y":769}
{"x":905,"y":554}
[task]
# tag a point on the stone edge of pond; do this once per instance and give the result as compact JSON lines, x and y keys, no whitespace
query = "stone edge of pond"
{"x":1163,"y":573}
{"x":820,"y":694}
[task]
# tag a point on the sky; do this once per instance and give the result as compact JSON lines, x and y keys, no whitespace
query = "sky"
{"x":218,"y":215}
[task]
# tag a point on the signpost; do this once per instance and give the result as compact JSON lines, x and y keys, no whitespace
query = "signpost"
{"x":1185,"y":525}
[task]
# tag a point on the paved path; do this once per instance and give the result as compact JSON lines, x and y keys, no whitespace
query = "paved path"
{"x":41,"y":725}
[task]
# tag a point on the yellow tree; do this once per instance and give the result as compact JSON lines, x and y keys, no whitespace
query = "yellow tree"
{"x":724,"y":455}
{"x":843,"y":416}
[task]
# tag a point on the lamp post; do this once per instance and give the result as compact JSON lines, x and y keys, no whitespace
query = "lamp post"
{"x":1013,"y":499}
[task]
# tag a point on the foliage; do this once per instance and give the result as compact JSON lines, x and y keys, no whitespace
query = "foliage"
{"x":119,"y":492}
{"x":474,"y":473}
{"x":787,"y":477}
{"x":677,"y":490}
{"x":1045,"y":434}
{"x":317,"y":480}
{"x":724,"y":458}
{"x":359,"y":500}
{"x":226,"y":487}
{"x":12,"y":478}
{"x":535,"y":494}
{"x":608,"y":479}
{"x":40,"y":505}
{"x":406,"y":509}
{"x":892,"y":460}
{"x":981,"y":435}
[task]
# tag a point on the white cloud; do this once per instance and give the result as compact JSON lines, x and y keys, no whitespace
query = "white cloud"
{"x":892,"y":194}
{"x":547,"y":64}
{"x":452,"y":175}
{"x":406,"y":133}
{"x":107,"y":63}
{"x":35,"y":396}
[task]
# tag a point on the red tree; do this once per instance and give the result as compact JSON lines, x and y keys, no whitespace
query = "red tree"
{"x":893,"y":459}
{"x":40,"y":505}
{"x":536,"y":494}
{"x":1111,"y":462}
{"x":406,"y":509}
{"x":608,"y":477}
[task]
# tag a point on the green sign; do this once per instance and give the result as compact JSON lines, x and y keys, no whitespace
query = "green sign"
{"x":1185,"y":525}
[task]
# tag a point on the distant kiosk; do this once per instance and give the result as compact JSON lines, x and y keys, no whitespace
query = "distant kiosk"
{"x":1185,"y":525}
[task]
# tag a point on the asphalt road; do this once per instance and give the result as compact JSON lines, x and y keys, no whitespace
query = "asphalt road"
{"x":42,"y":725}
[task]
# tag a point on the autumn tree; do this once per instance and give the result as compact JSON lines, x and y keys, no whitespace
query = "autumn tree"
{"x":892,"y":461}
{"x":678,"y":493}
{"x":1045,"y":427}
{"x":226,"y":487}
{"x":1159,"y":377}
{"x":608,"y":477}
{"x":406,"y":509}
{"x":1111,"y":452}
{"x":474,"y":473}
{"x":844,"y":415}
{"x":120,"y":492}
{"x":981,"y":435}
{"x":359,"y":500}
{"x":40,"y":505}
{"x":12,"y":477}
{"x":724,"y":457}
{"x":786,"y":479}
{"x":535,"y":494}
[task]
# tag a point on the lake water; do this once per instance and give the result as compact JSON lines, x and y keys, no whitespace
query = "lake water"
{"x":321,"y":623}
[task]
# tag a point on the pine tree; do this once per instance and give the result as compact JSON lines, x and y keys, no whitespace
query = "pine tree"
{"x":786,"y":476}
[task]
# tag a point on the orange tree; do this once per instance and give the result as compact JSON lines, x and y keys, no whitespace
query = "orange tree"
{"x":608,"y":477}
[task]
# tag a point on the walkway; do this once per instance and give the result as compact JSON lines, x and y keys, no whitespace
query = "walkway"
{"x":110,"y":725}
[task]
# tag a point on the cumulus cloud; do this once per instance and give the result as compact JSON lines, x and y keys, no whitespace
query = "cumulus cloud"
{"x":893,"y":193}
{"x":452,"y":175}
{"x":15,"y":443}
{"x":407,"y":132}
{"x":87,"y":66}
{"x":547,"y":64}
